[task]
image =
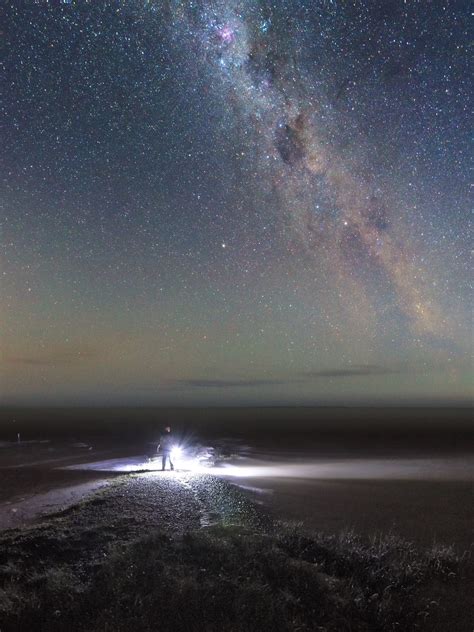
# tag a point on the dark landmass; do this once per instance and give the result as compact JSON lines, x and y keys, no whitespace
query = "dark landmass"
{"x":188,"y":553}
{"x":438,"y":429}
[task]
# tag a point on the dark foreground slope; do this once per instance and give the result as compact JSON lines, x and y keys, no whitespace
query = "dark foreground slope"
{"x":189,"y":553}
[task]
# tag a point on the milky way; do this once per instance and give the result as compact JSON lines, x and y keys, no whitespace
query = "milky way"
{"x":290,"y":116}
{"x":237,"y":202}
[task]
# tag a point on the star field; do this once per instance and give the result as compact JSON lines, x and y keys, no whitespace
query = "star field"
{"x":236,"y":202}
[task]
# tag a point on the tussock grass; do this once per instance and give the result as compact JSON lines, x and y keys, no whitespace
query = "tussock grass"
{"x":231,"y":578}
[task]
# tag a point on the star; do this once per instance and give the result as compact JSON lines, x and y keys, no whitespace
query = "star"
{"x":327,"y":140}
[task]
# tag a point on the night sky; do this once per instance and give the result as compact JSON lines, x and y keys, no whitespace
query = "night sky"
{"x":236,"y":202}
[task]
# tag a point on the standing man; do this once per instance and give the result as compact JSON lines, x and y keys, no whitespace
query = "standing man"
{"x":166,"y":445}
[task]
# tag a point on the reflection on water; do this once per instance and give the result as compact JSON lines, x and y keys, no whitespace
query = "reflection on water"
{"x":422,"y":468}
{"x":454,"y":468}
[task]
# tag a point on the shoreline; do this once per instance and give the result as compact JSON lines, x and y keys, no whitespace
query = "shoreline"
{"x":369,"y":496}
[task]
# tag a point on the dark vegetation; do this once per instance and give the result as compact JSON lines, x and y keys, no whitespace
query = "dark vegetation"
{"x":97,"y":567}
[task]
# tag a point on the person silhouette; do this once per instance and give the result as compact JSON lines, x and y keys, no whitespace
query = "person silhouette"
{"x":166,"y":445}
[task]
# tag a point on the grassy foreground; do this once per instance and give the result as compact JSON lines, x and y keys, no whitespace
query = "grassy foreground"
{"x":229,"y":578}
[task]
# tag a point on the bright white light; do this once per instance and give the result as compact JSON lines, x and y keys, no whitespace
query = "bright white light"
{"x":176,"y":452}
{"x":453,"y":468}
